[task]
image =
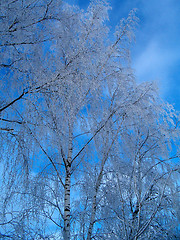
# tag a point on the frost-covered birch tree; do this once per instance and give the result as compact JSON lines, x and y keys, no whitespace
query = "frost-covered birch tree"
{"x":143,"y":187}
{"x":137,"y":195}
{"x":70,"y":109}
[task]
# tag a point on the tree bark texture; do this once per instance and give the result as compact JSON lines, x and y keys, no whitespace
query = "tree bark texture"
{"x":67,"y":205}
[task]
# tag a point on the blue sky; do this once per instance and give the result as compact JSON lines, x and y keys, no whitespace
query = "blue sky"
{"x":156,"y":53}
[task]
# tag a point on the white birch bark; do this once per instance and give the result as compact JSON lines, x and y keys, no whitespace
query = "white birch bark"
{"x":67,"y":206}
{"x":67,"y":194}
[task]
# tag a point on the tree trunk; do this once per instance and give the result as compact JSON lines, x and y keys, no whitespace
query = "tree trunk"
{"x":67,"y":205}
{"x":91,"y":224}
{"x":94,"y":206}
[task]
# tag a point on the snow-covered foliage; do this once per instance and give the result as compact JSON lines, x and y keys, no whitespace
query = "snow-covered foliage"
{"x":87,"y":153}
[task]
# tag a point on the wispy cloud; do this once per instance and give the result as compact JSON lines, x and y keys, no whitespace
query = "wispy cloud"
{"x":155,"y":62}
{"x":156,"y":54}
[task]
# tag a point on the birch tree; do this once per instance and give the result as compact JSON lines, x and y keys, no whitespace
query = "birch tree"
{"x":140,"y":163}
{"x":146,"y":182}
{"x":88,"y":66}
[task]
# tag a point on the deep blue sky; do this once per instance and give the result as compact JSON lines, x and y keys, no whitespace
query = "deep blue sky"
{"x":156,"y":53}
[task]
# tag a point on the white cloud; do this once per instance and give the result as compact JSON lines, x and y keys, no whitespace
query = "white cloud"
{"x":155,"y":61}
{"x":156,"y":54}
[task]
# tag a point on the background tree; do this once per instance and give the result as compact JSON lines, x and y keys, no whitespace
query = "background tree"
{"x":145,"y":179}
